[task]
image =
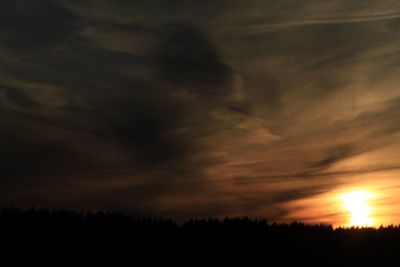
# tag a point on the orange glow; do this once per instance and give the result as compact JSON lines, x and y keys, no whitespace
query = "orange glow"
{"x":357,"y":204}
{"x":371,"y":203}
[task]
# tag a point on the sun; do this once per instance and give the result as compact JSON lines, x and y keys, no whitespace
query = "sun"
{"x":356,"y":203}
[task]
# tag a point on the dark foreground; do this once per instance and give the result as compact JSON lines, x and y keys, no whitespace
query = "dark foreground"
{"x":62,"y":238}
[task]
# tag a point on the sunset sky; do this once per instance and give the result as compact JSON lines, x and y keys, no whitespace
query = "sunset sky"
{"x":273,"y":108}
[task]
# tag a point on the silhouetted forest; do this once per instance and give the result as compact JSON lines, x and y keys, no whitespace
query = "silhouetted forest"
{"x":115,"y":239}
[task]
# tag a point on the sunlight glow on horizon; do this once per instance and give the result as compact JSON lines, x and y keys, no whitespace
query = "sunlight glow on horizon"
{"x":356,"y":203}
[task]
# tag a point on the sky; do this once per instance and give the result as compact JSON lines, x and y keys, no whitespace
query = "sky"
{"x":205,"y":108}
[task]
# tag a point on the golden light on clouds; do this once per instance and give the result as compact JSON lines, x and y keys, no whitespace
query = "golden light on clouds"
{"x":370,"y":204}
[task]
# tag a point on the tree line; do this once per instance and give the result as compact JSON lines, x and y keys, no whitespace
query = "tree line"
{"x":118,"y":238}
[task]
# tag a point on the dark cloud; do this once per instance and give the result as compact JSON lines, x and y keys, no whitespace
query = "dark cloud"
{"x":188,"y":59}
{"x":146,"y":128}
{"x":19,"y":98}
{"x":27,"y":25}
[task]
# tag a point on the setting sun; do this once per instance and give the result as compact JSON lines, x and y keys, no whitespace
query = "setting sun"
{"x":359,"y":208}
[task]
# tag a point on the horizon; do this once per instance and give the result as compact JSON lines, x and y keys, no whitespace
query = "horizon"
{"x":37,"y":212}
